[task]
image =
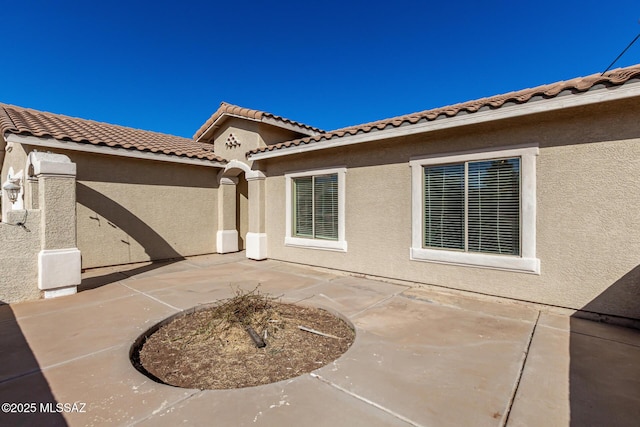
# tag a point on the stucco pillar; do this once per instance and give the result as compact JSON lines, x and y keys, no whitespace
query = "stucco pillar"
{"x":256,"y":241}
{"x":59,"y":264}
{"x":227,"y":235}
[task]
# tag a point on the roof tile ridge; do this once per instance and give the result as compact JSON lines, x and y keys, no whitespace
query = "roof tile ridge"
{"x":617,"y":76}
{"x":580,"y":84}
{"x":292,"y":122}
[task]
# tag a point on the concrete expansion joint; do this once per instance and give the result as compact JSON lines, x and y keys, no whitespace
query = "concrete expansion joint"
{"x":64,"y":362}
{"x":152,"y":297}
{"x":21,"y":375}
{"x":365,"y":400}
{"x":377,"y":303}
{"x":525,"y":354}
{"x":435,"y":301}
{"x":166,"y":406}
{"x":55,"y":365}
{"x":89,"y":304}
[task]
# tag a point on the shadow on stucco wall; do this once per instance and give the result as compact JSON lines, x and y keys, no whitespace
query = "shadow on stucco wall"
{"x":604,"y":370}
{"x":21,"y":378}
{"x":155,"y":246}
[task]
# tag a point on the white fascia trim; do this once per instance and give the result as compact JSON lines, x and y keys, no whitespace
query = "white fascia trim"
{"x":219,"y":120}
{"x":109,"y":151}
{"x":527,"y":262}
{"x":267,"y":120}
{"x":330,"y":245}
{"x":559,"y":103}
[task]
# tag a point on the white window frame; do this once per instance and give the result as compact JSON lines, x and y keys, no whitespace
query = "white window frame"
{"x":526,"y":262}
{"x":330,"y":245}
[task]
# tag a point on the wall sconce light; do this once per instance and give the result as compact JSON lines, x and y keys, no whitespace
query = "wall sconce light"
{"x":12,"y":187}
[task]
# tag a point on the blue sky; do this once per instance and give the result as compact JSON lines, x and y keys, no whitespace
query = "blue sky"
{"x":166,"y":65}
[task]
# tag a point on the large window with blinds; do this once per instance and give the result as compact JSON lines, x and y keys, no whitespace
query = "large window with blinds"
{"x":315,"y":209}
{"x":473,"y":206}
{"x":476,"y":209}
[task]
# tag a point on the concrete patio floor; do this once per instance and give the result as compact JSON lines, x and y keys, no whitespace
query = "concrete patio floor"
{"x":422,"y":357}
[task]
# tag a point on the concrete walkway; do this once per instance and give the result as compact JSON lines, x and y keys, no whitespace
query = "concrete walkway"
{"x":421,"y":357}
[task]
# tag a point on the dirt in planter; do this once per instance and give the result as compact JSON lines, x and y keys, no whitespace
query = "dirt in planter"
{"x":211,"y":349}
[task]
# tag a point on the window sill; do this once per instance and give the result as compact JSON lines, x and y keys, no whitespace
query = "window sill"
{"x":496,"y":262}
{"x":327,"y":245}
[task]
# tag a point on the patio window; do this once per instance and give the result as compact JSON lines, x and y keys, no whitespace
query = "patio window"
{"x":315,"y":206}
{"x":315,"y":213}
{"x":473,"y":206}
{"x":476,"y":209}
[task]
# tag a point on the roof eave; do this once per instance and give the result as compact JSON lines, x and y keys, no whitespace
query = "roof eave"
{"x":49,"y":142}
{"x":629,"y":90}
{"x":218,"y":123}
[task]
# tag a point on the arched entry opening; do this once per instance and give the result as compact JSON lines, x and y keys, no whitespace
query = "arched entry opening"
{"x":241,"y":211}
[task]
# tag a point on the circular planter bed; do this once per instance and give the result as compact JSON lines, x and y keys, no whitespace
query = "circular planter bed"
{"x":245,"y":341}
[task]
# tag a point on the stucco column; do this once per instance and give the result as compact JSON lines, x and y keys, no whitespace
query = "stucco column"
{"x":59,"y":263}
{"x":227,"y":235}
{"x":256,"y":240}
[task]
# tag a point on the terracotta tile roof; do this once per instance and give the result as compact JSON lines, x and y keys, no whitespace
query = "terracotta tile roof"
{"x":24,"y":121}
{"x":582,"y":84}
{"x":234,"y":110}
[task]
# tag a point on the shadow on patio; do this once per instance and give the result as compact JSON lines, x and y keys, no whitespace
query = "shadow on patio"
{"x":21,"y":379}
{"x":604,"y":377}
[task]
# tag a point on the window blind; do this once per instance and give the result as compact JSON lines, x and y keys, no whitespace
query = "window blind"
{"x":303,"y":206}
{"x":473,"y":206}
{"x":444,"y":206}
{"x":316,"y":206}
{"x":494,"y":206}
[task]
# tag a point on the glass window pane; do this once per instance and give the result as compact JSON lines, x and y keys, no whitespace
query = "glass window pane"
{"x":494,"y":206}
{"x":303,"y":206}
{"x":325,"y":200}
{"x":444,"y":206}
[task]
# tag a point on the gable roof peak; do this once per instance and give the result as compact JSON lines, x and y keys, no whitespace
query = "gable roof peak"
{"x":226,"y":110}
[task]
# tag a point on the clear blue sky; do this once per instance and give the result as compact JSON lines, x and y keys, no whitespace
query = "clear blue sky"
{"x":166,"y":65}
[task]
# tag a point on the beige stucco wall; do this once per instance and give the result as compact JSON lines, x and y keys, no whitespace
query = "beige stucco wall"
{"x":58,"y":201}
{"x":588,"y":199}
{"x":272,"y":135}
{"x":250,"y":135}
{"x":47,"y":225}
{"x":242,"y":210}
{"x":131,"y":210}
{"x":19,"y":259}
{"x":245,"y":133}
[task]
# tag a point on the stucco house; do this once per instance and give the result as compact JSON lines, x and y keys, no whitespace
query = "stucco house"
{"x":532,"y":195}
